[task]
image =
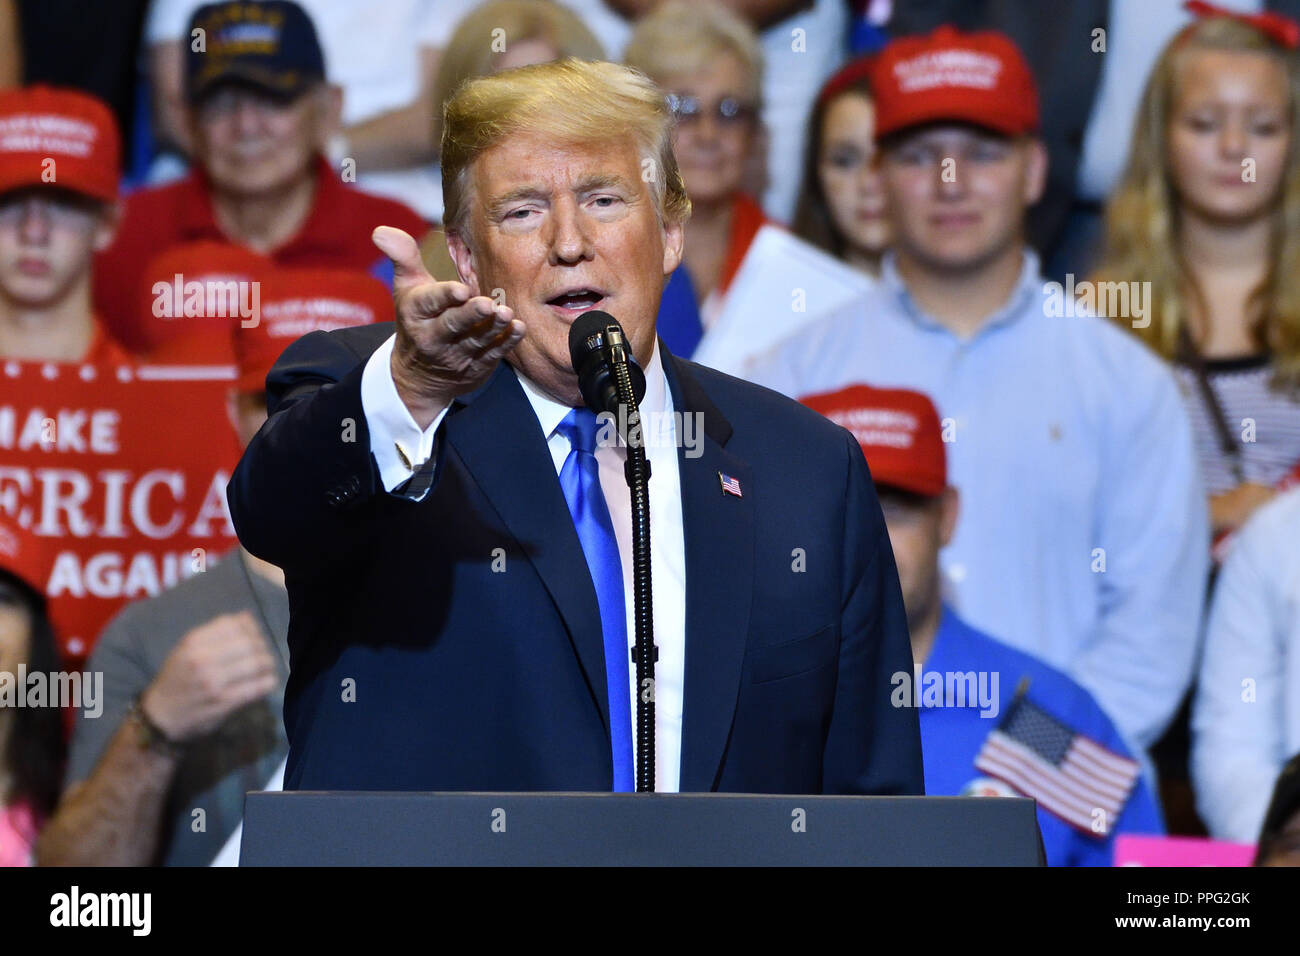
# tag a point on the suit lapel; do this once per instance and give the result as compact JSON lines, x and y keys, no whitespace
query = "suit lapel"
{"x":496,"y":434}
{"x":719,"y":535}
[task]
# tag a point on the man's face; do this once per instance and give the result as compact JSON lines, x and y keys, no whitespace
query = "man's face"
{"x":251,"y":144}
{"x":555,"y":231}
{"x":918,"y":528}
{"x":47,"y":240}
{"x":957,"y":195}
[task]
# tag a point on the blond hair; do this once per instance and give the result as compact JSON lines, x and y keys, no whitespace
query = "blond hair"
{"x":1142,"y":216}
{"x":571,"y":102}
{"x":473,"y":49}
{"x":678,"y":38}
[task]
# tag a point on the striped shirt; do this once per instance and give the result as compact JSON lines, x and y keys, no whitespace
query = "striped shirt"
{"x":1264,"y":422}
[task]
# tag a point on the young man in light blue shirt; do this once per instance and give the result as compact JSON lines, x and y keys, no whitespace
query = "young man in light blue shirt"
{"x":1085,"y":540}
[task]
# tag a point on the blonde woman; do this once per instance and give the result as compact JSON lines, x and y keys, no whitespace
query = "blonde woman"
{"x":709,"y":62}
{"x":1208,"y":214}
{"x":496,"y":36}
{"x":502,"y":34}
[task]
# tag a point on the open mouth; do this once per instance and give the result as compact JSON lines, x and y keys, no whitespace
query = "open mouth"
{"x":577,"y":301}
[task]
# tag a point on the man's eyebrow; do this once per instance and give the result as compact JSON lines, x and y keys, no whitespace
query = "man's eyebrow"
{"x":585,"y":185}
{"x":514,"y":195}
{"x":601,"y":181}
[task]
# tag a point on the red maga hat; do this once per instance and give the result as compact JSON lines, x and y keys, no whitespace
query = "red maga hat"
{"x":899,"y":433}
{"x":296,"y":302}
{"x":947,"y":75}
{"x":61,"y":138}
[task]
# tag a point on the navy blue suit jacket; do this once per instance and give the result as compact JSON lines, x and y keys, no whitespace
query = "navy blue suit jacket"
{"x":418,"y":663}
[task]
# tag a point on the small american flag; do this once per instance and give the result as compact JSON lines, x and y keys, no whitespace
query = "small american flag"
{"x":730,"y":486}
{"x":1064,"y":771}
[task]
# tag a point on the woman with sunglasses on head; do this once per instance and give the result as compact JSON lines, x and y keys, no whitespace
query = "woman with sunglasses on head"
{"x":709,"y":62}
{"x":746,"y":282}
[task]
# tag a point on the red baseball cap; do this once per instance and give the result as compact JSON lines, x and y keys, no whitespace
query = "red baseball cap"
{"x":24,"y":555}
{"x":177,"y":326}
{"x":295,"y":302}
{"x":58,"y":137}
{"x":899,"y":433}
{"x":979,"y":78}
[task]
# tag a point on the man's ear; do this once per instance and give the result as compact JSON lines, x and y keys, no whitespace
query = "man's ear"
{"x":110,"y":217}
{"x":463,"y":257}
{"x":674,"y":243}
{"x":949,"y":508}
{"x":1035,"y":172}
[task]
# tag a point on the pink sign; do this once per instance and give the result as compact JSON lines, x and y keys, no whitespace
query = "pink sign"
{"x":1133,"y":850}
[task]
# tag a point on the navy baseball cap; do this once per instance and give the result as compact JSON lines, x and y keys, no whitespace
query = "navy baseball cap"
{"x":271,"y":46}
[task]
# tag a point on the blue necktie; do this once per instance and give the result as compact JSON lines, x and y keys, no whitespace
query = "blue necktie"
{"x":580,"y":480}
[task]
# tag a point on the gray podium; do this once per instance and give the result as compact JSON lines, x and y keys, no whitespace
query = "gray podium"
{"x":607,"y":829}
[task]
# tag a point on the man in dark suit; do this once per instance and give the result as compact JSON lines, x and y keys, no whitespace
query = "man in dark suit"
{"x":457,"y":620}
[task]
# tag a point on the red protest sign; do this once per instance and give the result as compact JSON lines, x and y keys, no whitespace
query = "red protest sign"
{"x":123,"y":470}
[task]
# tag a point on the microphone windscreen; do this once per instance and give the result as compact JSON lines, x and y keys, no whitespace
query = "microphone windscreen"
{"x":587,"y":334}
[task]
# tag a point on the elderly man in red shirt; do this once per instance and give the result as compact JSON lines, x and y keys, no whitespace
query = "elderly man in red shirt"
{"x":261,"y":114}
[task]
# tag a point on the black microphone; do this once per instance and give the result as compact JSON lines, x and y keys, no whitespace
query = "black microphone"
{"x":597,"y":346}
{"x":610,"y":380}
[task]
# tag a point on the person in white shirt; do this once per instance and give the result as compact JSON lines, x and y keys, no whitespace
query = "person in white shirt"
{"x":1246,"y":713}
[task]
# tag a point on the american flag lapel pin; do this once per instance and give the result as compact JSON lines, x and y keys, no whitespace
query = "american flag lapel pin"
{"x":730,"y":486}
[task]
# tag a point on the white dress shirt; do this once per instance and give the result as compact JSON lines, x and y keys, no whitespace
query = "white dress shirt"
{"x":392,"y":427}
{"x":1246,"y":715}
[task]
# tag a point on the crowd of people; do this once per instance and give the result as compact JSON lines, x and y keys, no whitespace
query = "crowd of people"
{"x":1042,"y":265}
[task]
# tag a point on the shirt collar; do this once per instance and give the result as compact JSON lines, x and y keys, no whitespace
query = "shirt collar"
{"x":1028,"y":285}
{"x":199,"y":219}
{"x":550,"y":412}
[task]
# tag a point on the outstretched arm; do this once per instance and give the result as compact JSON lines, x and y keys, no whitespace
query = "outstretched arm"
{"x":304,"y":491}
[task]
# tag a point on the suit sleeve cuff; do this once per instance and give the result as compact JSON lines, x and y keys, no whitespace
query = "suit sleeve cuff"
{"x":396,"y":441}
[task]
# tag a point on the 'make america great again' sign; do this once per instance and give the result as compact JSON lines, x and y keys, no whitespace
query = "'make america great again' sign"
{"x":122,"y":472}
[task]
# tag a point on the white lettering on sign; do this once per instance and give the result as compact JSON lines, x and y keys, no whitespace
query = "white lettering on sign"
{"x":75,"y":430}
{"x":112,"y":574}
{"x":113,"y":503}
